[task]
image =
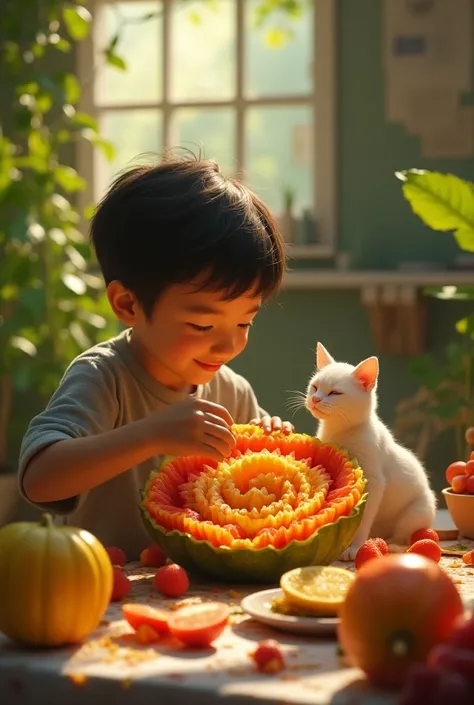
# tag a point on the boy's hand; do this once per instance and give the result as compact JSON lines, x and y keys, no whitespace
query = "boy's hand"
{"x":273,"y":423}
{"x":194,"y":427}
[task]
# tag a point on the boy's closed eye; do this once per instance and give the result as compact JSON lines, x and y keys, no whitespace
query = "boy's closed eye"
{"x":203,"y":329}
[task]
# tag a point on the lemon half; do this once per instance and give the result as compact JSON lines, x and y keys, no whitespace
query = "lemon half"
{"x":320,"y":590}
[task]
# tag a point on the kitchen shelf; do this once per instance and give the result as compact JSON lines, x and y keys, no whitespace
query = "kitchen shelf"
{"x":302,"y":252}
{"x":307,"y":279}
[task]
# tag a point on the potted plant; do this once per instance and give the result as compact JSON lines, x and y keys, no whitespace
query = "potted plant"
{"x":445,"y":398}
{"x":50,"y":305}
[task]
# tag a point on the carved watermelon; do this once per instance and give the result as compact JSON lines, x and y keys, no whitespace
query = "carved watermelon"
{"x":277,"y":503}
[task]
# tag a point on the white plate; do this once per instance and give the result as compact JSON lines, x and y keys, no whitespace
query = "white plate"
{"x":259,"y":606}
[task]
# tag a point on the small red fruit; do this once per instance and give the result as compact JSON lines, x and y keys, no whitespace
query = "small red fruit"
{"x":459,"y":484}
{"x":268,"y":656}
{"x":116,"y":555}
{"x":457,"y":468}
{"x":171,"y":580}
{"x":199,"y":625}
{"x":469,"y":469}
{"x":424,"y":534}
{"x":153,"y":556}
{"x":468,"y":558}
{"x":470,"y":484}
{"x":138,"y":615}
{"x":382,"y":546}
{"x":427,"y":548}
{"x":121,"y":586}
{"x":367,"y":552}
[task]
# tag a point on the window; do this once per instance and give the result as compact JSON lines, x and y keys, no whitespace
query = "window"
{"x":200,"y":76}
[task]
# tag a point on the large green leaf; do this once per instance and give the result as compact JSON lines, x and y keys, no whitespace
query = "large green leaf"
{"x":78,"y":20}
{"x":443,"y":201}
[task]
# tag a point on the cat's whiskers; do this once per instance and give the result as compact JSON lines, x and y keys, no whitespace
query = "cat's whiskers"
{"x":296,"y":402}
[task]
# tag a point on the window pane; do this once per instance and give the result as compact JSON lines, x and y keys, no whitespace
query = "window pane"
{"x":203,"y":50}
{"x":139,"y":45}
{"x":136,"y":135}
{"x":210,"y":131}
{"x":272,"y":70}
{"x":279,"y":156}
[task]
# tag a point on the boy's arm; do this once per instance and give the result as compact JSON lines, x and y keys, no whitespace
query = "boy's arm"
{"x":68,"y":434}
{"x":74,"y":445}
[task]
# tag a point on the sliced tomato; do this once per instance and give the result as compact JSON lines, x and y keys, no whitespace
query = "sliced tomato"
{"x":137,"y":615}
{"x":199,"y":625}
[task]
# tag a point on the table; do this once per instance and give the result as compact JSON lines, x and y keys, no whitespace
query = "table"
{"x":111,"y":668}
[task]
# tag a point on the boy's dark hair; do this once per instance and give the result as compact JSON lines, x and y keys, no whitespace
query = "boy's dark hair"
{"x":171,"y":223}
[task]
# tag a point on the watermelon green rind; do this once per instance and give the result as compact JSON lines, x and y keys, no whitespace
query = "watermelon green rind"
{"x":265,"y":565}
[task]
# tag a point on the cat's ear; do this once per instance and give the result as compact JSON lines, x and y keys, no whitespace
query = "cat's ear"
{"x":367,"y":373}
{"x":323,"y":358}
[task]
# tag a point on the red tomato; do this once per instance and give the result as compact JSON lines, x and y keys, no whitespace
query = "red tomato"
{"x":457,"y":468}
{"x":469,"y":469}
{"x":138,"y":615}
{"x":470,"y":484}
{"x":199,"y":625}
{"x":459,"y":484}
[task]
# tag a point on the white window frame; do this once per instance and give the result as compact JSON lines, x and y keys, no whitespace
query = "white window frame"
{"x":322,"y":99}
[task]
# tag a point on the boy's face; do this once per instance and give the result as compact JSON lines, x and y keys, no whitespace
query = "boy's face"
{"x":191,"y":334}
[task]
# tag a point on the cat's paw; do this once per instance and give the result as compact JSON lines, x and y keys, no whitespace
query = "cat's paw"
{"x":350,"y":553}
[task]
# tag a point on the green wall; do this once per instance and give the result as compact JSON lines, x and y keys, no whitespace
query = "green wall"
{"x":376,"y":226}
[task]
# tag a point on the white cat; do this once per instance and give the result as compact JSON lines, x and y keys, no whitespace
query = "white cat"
{"x":344,"y":400}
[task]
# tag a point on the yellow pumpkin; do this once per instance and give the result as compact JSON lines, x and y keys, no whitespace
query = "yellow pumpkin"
{"x":55,"y":583}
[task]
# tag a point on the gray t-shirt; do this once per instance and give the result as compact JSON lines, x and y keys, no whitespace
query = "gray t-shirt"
{"x":105,"y":388}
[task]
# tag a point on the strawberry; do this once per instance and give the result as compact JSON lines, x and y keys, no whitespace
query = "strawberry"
{"x":382,"y":546}
{"x":366,"y":552}
{"x":121,"y":586}
{"x":268,"y":657}
{"x":424,"y":534}
{"x":427,"y":548}
{"x":153,"y":556}
{"x":171,"y":580}
{"x":116,"y":555}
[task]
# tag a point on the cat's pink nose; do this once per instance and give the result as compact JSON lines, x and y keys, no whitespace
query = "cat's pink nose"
{"x":315,"y":400}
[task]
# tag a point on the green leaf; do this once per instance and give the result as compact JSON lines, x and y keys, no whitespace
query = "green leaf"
{"x":72,"y":89}
{"x":44,"y":103}
{"x":276,"y":38}
{"x":465,"y":326}
{"x":38,"y":144}
{"x":115,"y":60}
{"x":85,"y":120}
{"x":63,"y":45}
{"x":77,"y":20}
{"x":442,"y":201}
{"x":69,"y":179}
{"x":106,"y":147}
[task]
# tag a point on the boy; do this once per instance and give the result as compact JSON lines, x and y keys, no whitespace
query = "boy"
{"x":187,"y":257}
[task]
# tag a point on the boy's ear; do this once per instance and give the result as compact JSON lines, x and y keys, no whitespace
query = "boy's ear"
{"x":367,"y":373}
{"x":323,"y":358}
{"x":123,"y":303}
